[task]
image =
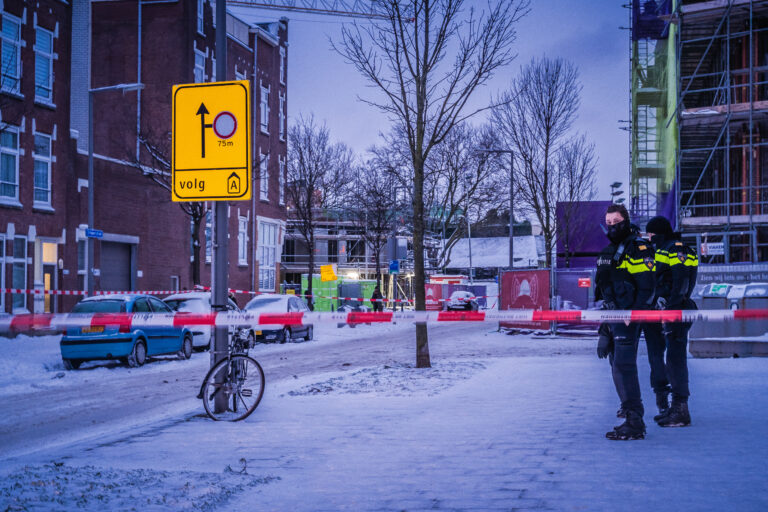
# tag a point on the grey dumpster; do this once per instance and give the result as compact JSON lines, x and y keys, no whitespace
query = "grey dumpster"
{"x":712,"y":296}
{"x":756,"y":297}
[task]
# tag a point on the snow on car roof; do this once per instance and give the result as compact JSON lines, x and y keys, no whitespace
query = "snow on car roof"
{"x":189,"y":295}
{"x":116,"y":296}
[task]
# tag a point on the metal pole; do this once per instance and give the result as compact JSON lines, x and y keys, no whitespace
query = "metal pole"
{"x":469,"y":239}
{"x":511,"y":210}
{"x":221,"y":238}
{"x":89,"y":240}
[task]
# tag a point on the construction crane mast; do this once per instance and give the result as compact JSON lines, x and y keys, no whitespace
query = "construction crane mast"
{"x":341,"y":8}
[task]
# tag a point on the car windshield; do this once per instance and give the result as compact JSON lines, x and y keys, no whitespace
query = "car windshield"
{"x":99,"y":306}
{"x":461,"y":295}
{"x":187,"y":305}
{"x":264,"y":303}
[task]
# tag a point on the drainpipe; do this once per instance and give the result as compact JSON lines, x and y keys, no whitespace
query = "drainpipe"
{"x":138,"y":91}
{"x":256,"y":162}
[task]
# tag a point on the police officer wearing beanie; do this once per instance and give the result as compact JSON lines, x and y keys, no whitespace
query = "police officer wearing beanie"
{"x":676,"y":269}
{"x":624,"y":280}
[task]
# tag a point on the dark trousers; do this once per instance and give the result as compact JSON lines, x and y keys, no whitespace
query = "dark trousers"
{"x":624,"y":366}
{"x":676,"y":335}
{"x":656,"y":344}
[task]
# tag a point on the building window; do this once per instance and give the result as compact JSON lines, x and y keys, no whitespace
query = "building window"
{"x":242,"y":240}
{"x":11,"y":53}
{"x":200,"y":24}
{"x":19,"y":272}
{"x":281,"y":179}
{"x":43,"y":65}
{"x":267,"y":255}
{"x":199,"y":67}
{"x":2,"y":272}
{"x":282,"y":65}
{"x":264,"y":175}
{"x":281,"y":116}
{"x":213,"y":68}
{"x":42,"y":158}
{"x":264,"y":109}
{"x":238,"y":75}
{"x":208,"y":237}
{"x":9,"y":164}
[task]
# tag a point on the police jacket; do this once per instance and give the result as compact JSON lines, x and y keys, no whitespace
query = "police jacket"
{"x":676,"y":269}
{"x":625,"y":274}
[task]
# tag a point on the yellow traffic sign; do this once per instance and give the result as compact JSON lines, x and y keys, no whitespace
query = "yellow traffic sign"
{"x":211,"y":156}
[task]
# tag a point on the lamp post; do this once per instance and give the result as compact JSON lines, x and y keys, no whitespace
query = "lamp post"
{"x":89,"y":277}
{"x":615,"y":193}
{"x":511,"y":199}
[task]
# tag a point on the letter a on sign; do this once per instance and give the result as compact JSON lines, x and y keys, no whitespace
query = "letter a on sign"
{"x":211,"y":156}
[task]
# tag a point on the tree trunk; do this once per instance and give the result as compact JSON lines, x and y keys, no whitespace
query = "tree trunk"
{"x":196,"y":250}
{"x":311,"y":247}
{"x":422,"y":340}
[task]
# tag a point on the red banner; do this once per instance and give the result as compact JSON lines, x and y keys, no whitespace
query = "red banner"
{"x":525,"y":289}
{"x":434,"y":292}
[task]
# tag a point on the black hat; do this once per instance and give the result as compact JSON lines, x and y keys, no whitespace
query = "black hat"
{"x":659,"y":226}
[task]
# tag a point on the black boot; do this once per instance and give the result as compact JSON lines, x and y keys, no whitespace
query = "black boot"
{"x":621,"y":413}
{"x":678,"y":416}
{"x":632,"y":428}
{"x":662,"y":402}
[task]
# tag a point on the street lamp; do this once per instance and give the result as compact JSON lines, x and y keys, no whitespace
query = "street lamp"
{"x":89,"y":277}
{"x":511,"y":199}
{"x":615,"y":193}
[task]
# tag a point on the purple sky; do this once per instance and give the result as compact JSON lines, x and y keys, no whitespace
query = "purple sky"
{"x":587,"y":33}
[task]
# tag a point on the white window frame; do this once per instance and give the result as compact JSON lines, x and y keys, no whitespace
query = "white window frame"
{"x":200,"y":19}
{"x":282,"y":64}
{"x":17,"y":44}
{"x":242,"y":240}
{"x":213,"y":67}
{"x":40,"y":54}
{"x":281,"y":117}
{"x":16,"y":259}
{"x":199,"y":66}
{"x":281,"y":179}
{"x":268,"y":250}
{"x":264,"y":104}
{"x":48,"y":161}
{"x":239,"y":76}
{"x":208,"y":235}
{"x":15,"y":153}
{"x":264,"y":176}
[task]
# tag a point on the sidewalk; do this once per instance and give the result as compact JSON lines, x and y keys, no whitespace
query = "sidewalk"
{"x":498,"y":434}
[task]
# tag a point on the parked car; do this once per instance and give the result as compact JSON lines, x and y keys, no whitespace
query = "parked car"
{"x":129,"y":344}
{"x":200,"y":302}
{"x":462,"y":301}
{"x":274,"y":303}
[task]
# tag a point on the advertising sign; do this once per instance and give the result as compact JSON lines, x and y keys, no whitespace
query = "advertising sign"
{"x":524,"y":289}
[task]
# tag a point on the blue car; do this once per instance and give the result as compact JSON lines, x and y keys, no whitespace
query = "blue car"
{"x":130,"y":345}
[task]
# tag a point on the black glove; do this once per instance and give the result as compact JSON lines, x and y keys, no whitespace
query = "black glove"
{"x":607,"y":304}
{"x":661,"y":303}
{"x":604,"y":341}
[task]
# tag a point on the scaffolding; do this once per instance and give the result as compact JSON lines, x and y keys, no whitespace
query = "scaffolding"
{"x":717,"y":119}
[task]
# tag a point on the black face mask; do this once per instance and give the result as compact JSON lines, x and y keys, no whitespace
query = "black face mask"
{"x":618,"y":232}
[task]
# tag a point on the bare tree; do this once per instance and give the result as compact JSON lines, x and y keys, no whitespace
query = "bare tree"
{"x":318,"y":176}
{"x":157,"y":167}
{"x":535,"y":117}
{"x":374,"y":205}
{"x":427,"y":58}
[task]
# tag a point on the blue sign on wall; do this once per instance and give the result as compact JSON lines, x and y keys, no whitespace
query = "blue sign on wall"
{"x":394,"y":267}
{"x":94,"y":233}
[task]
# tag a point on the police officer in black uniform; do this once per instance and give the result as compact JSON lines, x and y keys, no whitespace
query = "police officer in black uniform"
{"x":676,"y":269}
{"x":624,"y":280}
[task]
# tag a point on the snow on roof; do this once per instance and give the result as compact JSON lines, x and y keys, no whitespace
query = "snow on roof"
{"x":494,"y":252}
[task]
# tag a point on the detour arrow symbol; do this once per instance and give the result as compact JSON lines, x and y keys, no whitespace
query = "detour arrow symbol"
{"x":201,"y":112}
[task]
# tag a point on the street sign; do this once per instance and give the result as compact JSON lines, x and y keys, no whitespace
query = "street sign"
{"x":211,"y":156}
{"x":94,"y":233}
{"x":713,"y":249}
{"x":584,"y":282}
{"x":394,"y":267}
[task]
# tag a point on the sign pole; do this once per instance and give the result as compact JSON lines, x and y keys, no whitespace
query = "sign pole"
{"x":221,"y":238}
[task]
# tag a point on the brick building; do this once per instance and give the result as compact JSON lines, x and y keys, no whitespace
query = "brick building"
{"x":147,"y":238}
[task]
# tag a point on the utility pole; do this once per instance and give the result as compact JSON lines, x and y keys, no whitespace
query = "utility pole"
{"x":220,"y":234}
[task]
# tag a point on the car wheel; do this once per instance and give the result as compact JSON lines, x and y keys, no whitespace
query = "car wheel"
{"x":285,"y":335}
{"x":138,"y":355}
{"x":310,"y":333}
{"x":186,"y":348}
{"x":72,"y":364}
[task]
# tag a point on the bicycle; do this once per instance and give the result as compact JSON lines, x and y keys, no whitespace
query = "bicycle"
{"x":238,"y":379}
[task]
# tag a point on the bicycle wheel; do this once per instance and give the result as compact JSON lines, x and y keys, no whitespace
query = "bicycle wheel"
{"x":233,"y":388}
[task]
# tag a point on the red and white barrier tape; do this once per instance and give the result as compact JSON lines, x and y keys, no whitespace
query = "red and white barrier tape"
{"x":58,"y":322}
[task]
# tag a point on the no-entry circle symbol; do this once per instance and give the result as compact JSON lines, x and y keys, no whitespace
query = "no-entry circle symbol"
{"x":225,"y":125}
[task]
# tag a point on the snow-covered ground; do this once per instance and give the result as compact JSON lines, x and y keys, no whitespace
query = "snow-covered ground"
{"x":498,"y":423}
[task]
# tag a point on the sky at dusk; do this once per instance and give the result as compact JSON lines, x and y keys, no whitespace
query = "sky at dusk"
{"x":585,"y":32}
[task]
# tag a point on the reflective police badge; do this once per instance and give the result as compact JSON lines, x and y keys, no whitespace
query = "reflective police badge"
{"x":649,"y":262}
{"x":681,"y":256}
